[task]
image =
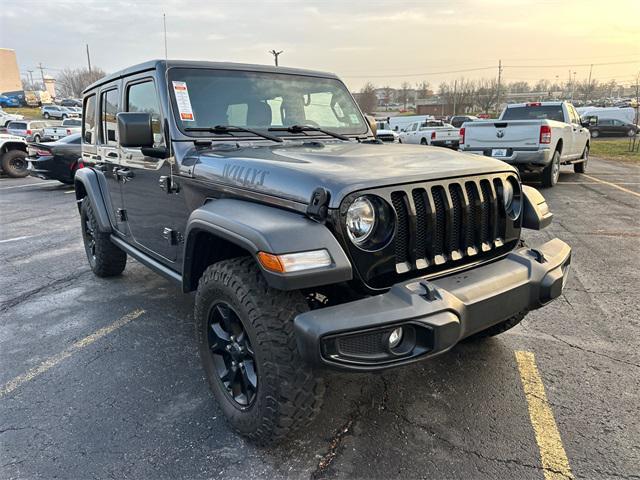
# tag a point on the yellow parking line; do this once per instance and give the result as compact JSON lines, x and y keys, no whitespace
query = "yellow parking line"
{"x":554,"y":459}
{"x":56,"y":359}
{"x":614,"y":185}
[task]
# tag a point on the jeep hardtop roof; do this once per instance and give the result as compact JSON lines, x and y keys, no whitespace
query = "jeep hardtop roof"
{"x":160,"y":64}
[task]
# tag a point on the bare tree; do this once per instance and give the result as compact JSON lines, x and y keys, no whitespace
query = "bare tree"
{"x":458,"y":95}
{"x":519,"y":87}
{"x":486,"y":95}
{"x":28,"y":86}
{"x":422,"y":89}
{"x":367,"y":99}
{"x":388,"y":94}
{"x":71,"y":82}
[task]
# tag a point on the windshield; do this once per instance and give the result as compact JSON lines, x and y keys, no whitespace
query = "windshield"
{"x":206,"y":97}
{"x":546,"y":112}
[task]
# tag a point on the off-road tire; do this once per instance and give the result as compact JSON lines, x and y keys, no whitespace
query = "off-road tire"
{"x":549,"y":176}
{"x":14,"y":163}
{"x":288,"y":394}
{"x":498,"y":328}
{"x":105,"y":259}
{"x":581,"y":167}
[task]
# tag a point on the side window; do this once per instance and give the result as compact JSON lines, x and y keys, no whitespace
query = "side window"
{"x":618,"y":123}
{"x":108,"y":111}
{"x":89,"y":120}
{"x":142,"y":97}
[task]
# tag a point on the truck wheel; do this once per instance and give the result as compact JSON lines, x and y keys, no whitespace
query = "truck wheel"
{"x":36,"y":138}
{"x":105,"y":259}
{"x":14,"y":163}
{"x":551,"y":172}
{"x":595,"y":133}
{"x":423,"y":141}
{"x":46,"y":115}
{"x":498,"y":328}
{"x":244,"y":331}
{"x":582,"y":166}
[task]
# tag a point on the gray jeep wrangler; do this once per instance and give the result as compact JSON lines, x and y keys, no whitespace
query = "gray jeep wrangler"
{"x":310,"y":244}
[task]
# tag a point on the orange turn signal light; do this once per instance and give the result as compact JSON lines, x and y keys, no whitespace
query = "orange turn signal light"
{"x":270,"y":262}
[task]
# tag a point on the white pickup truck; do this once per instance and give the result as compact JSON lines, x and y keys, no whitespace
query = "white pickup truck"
{"x":431,"y":132}
{"x":67,"y":127}
{"x":534,"y":137}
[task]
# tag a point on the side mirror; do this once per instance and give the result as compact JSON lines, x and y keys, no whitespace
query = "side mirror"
{"x":134,"y":129}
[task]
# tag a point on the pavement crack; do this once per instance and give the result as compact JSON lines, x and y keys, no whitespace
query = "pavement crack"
{"x":586,"y":350}
{"x":23,"y":297}
{"x":506,"y":461}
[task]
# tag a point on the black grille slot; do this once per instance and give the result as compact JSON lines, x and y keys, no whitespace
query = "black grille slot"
{"x":402,"y":234}
{"x":421,"y":223}
{"x":457,"y":239}
{"x":440,"y":203}
{"x":485,"y":211}
{"x":473,"y":212}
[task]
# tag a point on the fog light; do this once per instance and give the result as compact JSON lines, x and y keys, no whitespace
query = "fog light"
{"x":395,"y":337}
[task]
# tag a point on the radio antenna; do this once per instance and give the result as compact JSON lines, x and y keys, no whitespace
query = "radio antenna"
{"x":166,"y":79}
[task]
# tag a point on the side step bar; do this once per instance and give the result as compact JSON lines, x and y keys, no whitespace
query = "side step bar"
{"x":147,"y":260}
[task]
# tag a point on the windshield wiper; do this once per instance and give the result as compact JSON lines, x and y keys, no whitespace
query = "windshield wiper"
{"x":308,"y":128}
{"x":221,"y":129}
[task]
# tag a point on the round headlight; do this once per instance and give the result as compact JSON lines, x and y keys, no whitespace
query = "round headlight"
{"x":361,"y":220}
{"x":511,"y":197}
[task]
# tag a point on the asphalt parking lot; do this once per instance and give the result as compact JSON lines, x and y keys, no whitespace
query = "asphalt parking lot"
{"x":101,"y":378}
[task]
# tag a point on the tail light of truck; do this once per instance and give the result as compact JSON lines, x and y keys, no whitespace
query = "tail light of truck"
{"x":462,"y":135}
{"x":68,"y":131}
{"x":433,"y":135}
{"x":545,"y":134}
{"x":29,"y":132}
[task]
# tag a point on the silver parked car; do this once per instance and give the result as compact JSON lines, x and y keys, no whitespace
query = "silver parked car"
{"x":34,"y":129}
{"x":54,"y":111}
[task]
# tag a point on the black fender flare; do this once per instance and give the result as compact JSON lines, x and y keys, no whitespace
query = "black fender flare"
{"x":262,"y":228}
{"x":87,"y":183}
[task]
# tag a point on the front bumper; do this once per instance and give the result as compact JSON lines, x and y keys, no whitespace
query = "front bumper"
{"x":435,"y":315}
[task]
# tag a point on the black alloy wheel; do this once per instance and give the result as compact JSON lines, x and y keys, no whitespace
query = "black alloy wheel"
{"x":232,"y":354}
{"x":88,"y":231}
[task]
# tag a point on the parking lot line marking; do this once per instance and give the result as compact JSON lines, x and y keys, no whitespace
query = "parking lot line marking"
{"x":66,"y":353}
{"x":29,"y":185}
{"x":16,"y":239}
{"x":614,"y":185}
{"x":554,"y":459}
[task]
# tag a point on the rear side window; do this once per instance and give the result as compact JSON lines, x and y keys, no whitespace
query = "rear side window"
{"x":109,"y":109}
{"x":73,"y":139}
{"x":18,"y":126}
{"x":543,"y":112}
{"x":142,"y":97}
{"x":89,"y":120}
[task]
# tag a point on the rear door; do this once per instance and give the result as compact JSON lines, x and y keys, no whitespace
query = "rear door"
{"x":108,"y":155}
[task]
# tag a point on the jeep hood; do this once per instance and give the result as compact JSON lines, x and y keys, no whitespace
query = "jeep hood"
{"x":294,"y":170}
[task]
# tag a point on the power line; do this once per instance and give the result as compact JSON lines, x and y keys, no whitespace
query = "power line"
{"x":419,"y":74}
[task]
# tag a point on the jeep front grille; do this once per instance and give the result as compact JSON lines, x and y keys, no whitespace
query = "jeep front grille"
{"x":437,"y":224}
{"x":440,"y":226}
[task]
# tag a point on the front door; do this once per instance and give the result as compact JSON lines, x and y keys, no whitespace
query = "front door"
{"x":156,"y":218}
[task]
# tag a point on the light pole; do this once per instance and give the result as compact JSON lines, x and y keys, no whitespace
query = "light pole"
{"x":275,"y":55}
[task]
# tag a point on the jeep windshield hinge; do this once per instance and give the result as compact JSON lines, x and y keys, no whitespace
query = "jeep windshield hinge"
{"x":168,"y":184}
{"x":318,"y":208}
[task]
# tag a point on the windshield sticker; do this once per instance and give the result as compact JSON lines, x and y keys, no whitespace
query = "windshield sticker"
{"x":354,"y":118}
{"x":183,"y":102}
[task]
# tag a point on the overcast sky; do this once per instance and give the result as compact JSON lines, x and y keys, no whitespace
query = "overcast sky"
{"x":387,"y":42}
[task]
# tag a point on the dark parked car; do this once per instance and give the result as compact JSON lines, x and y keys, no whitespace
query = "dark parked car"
{"x":458,"y":120}
{"x":70,"y":102}
{"x":611,"y":127}
{"x":310,"y":244}
{"x":56,"y":160}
